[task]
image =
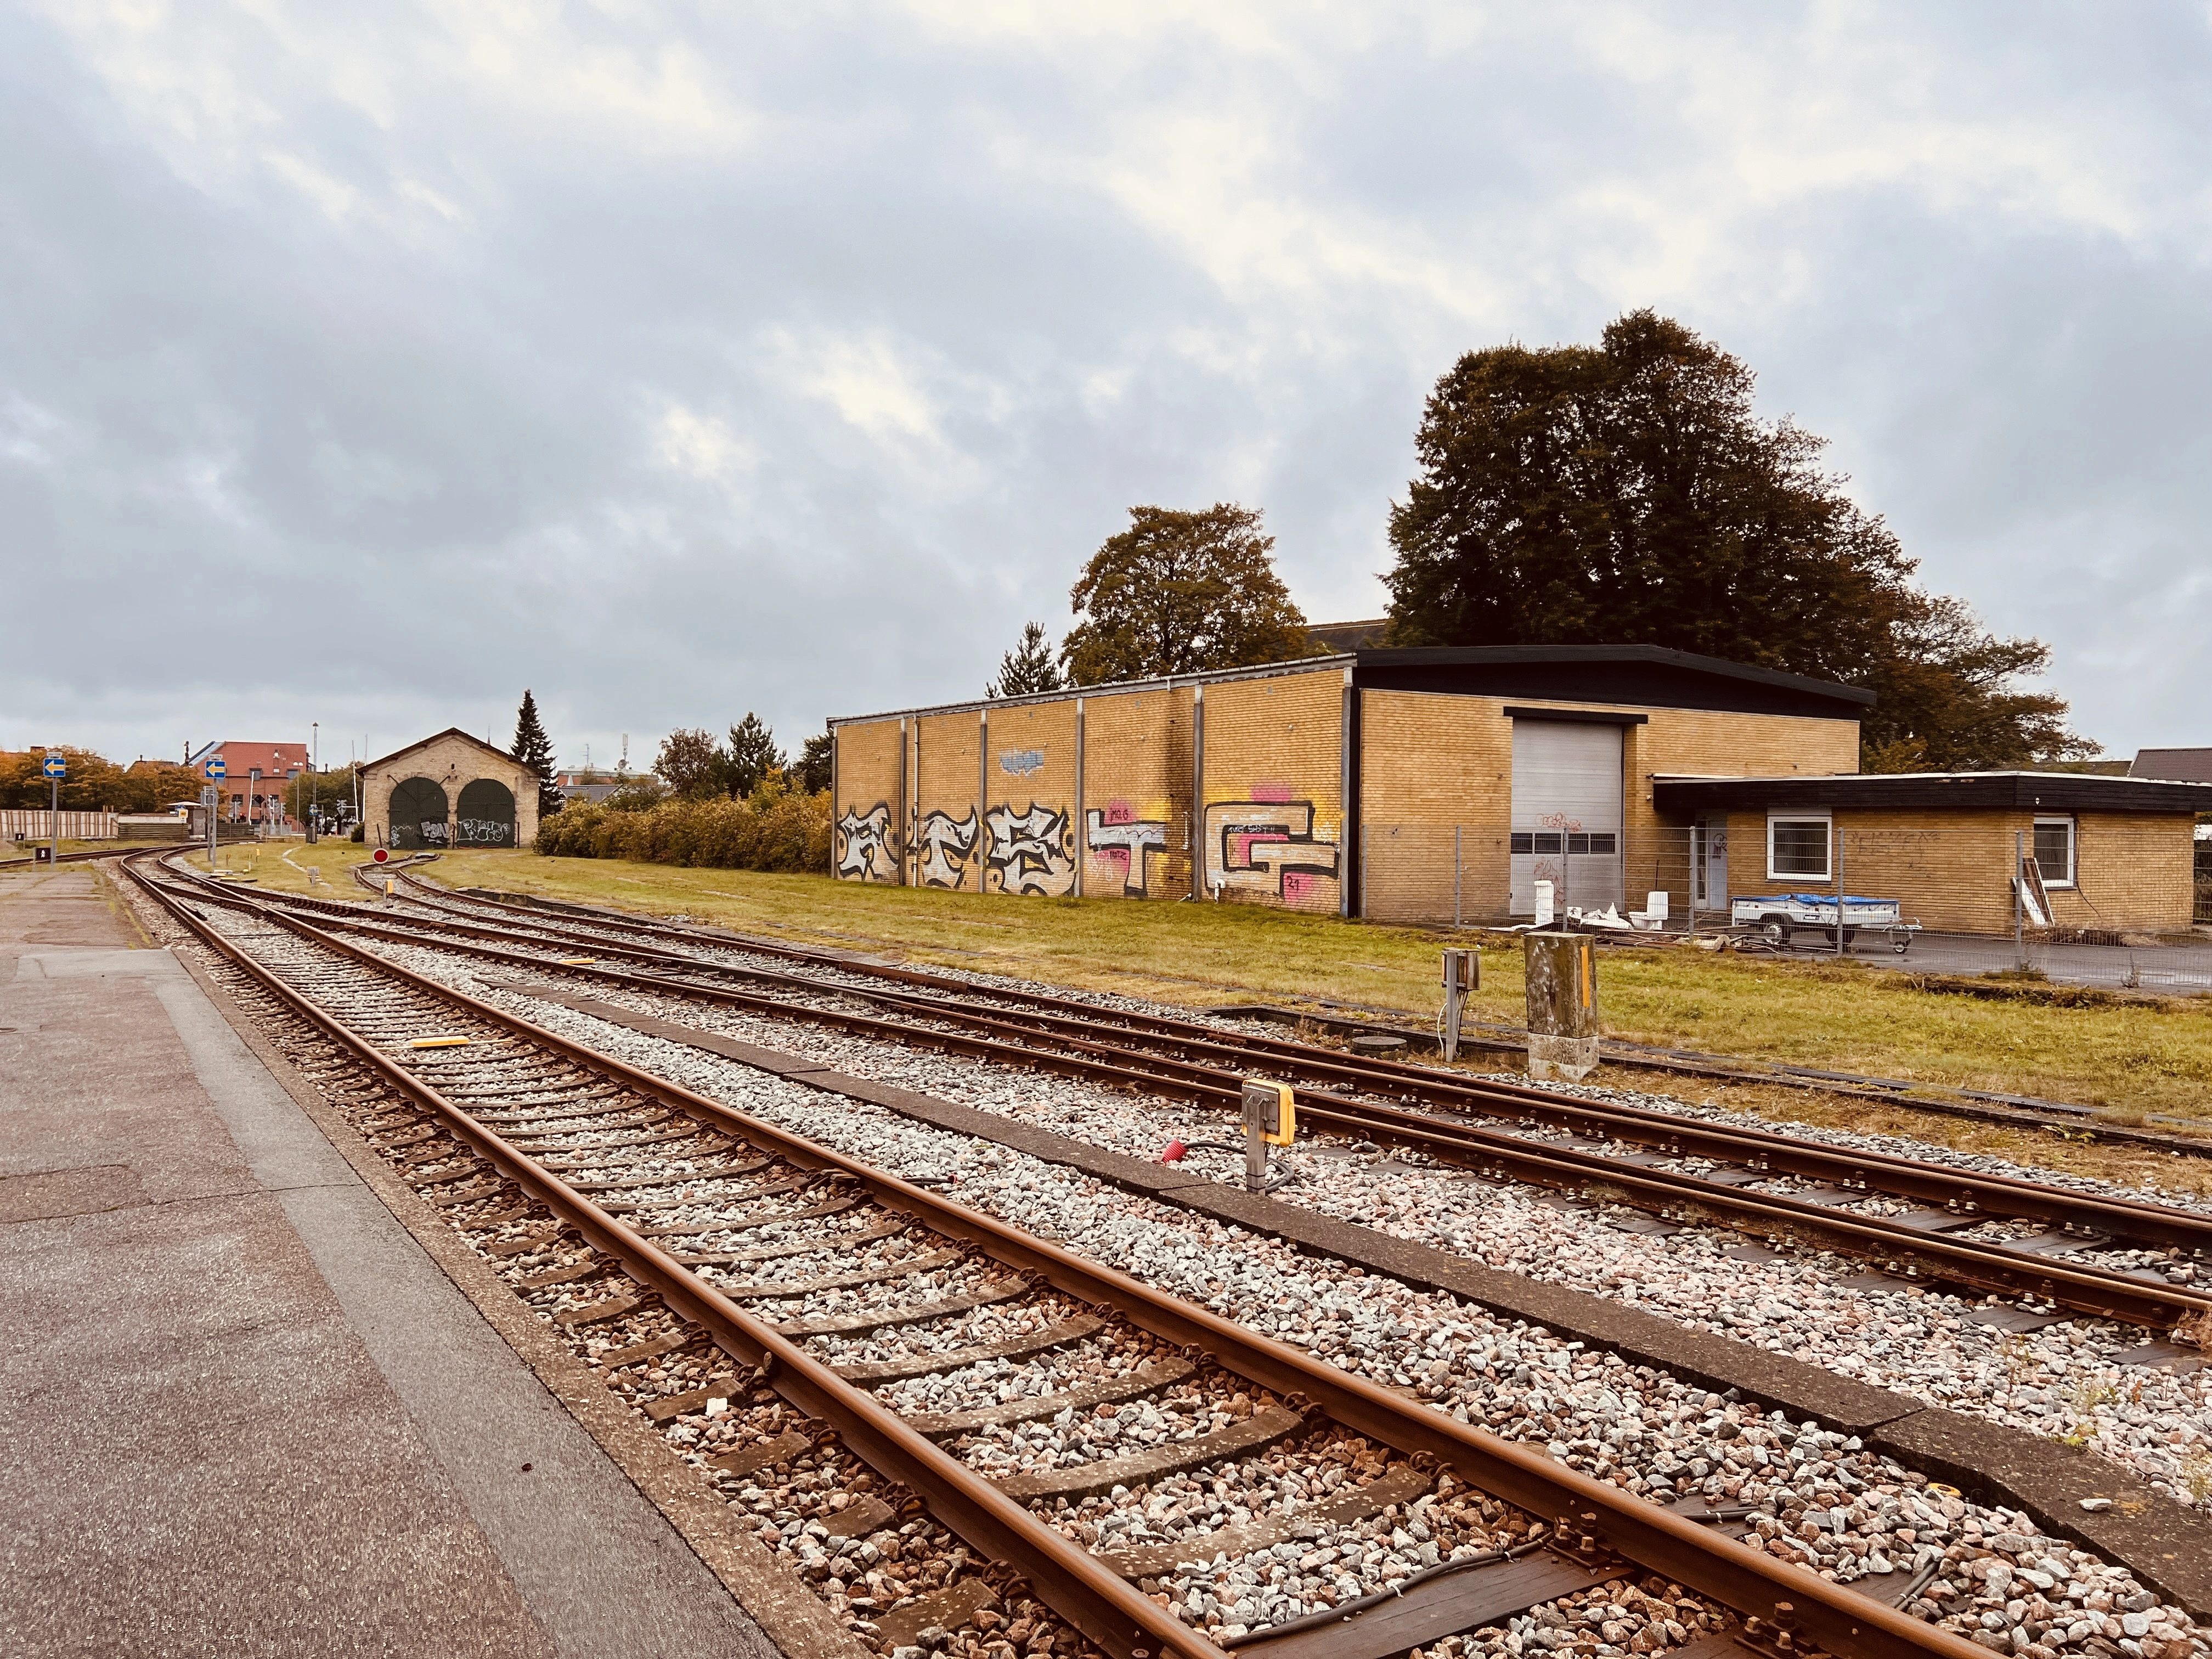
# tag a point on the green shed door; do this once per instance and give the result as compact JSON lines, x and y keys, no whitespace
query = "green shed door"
{"x":418,"y":814}
{"x":487,"y":815}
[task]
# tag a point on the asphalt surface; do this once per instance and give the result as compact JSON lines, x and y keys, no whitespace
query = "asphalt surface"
{"x":245,"y":1412}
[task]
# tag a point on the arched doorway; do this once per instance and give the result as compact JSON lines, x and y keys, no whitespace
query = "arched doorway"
{"x":486,"y":817}
{"x":418,"y":814}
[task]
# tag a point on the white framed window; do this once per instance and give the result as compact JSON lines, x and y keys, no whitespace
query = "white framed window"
{"x":1797,"y":847}
{"x":2054,"y":850}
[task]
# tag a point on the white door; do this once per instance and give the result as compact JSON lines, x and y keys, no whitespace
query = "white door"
{"x":1708,"y":865}
{"x":1566,"y":814}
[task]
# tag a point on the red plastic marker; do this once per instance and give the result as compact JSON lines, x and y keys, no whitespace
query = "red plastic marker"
{"x":380,"y":855}
{"x":1174,"y":1152}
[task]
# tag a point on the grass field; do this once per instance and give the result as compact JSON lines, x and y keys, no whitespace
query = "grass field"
{"x":2127,"y":1058}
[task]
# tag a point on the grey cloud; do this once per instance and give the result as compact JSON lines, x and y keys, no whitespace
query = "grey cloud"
{"x":677,"y":367}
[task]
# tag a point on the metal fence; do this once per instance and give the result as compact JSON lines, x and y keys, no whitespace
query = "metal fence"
{"x":1971,"y":902}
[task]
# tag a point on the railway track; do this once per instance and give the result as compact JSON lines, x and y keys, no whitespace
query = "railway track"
{"x":1905,"y":1216}
{"x":34,"y":861}
{"x":820,"y":1287}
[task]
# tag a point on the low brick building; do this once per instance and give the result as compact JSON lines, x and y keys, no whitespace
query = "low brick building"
{"x":2109,"y":853}
{"x":1441,"y":785}
{"x":449,"y":791}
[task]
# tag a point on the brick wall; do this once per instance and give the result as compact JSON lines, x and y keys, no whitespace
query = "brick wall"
{"x":1134,"y":833}
{"x":943,"y":821}
{"x":1697,"y":742}
{"x":1429,"y":764}
{"x":1029,"y":820}
{"x":1952,"y":871}
{"x":868,"y":841}
{"x":1271,"y":826}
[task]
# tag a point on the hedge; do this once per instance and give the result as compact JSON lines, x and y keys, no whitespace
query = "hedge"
{"x":788,"y":833}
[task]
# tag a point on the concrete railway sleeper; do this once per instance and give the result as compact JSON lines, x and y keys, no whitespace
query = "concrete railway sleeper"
{"x":1913,"y":1244}
{"x":1585,"y":1533}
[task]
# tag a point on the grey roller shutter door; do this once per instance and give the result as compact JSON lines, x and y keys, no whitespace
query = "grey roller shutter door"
{"x":1566,"y":814}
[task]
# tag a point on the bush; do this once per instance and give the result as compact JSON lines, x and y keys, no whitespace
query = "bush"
{"x":772,"y":830}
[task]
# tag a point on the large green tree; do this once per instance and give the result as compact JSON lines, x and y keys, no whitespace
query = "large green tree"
{"x":753,"y":755}
{"x":1181,"y":592}
{"x":1625,"y":494}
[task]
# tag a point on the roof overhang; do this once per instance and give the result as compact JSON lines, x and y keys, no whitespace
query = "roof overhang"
{"x":2008,"y":792}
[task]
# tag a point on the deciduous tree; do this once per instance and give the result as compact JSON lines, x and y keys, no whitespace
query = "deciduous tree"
{"x":1625,"y":494}
{"x":1178,"y":594}
{"x":692,"y":765}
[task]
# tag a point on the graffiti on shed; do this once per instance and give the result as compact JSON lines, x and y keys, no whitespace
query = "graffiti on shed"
{"x":1125,"y":843}
{"x":863,"y":851}
{"x":1032,"y":849}
{"x":1021,"y":762}
{"x":1270,"y":847}
{"x":946,"y":843}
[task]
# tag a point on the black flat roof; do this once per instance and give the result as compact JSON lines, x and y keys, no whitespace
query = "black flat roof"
{"x":1641,"y":676}
{"x":2015,"y":792}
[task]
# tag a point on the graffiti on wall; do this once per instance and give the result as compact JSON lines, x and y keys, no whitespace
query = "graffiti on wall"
{"x":864,"y":852}
{"x":1124,"y":842}
{"x":945,"y":844}
{"x":1020,"y":763}
{"x":1270,"y":847}
{"x":1032,"y":850}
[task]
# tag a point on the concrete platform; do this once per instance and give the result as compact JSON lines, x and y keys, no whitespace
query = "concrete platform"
{"x":245,"y":1412}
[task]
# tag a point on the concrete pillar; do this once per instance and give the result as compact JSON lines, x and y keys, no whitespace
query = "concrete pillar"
{"x":1562,"y":978}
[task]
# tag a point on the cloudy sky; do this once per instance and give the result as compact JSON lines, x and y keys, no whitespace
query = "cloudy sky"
{"x":366,"y":364}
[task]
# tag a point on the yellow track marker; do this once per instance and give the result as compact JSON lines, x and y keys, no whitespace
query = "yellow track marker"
{"x":439,"y":1042}
{"x":577,"y":962}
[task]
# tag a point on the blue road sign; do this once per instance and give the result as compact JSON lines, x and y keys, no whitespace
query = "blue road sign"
{"x":56,"y":767}
{"x":216,"y":769}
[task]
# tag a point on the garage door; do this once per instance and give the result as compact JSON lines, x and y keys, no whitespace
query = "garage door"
{"x":1566,"y":813}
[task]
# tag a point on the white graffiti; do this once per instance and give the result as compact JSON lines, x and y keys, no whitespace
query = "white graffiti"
{"x":864,"y":853}
{"x":1126,"y":844}
{"x":1030,"y":850}
{"x":946,"y":843}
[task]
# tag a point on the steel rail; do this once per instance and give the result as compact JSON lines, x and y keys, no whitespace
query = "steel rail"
{"x":1987,"y":1268}
{"x":1763,"y":1150}
{"x":70,"y":858}
{"x":1598,"y":1518}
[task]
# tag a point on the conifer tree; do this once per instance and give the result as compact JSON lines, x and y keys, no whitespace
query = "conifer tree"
{"x":1029,"y":667}
{"x":752,"y":754}
{"x":535,"y":751}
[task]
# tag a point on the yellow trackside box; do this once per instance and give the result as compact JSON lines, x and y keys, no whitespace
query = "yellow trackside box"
{"x":1270,"y":1108}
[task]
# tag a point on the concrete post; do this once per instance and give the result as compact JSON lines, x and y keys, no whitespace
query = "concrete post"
{"x":1562,"y":979}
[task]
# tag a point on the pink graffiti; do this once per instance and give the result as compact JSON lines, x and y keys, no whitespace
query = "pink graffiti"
{"x":1120,"y":811}
{"x":1275,"y":795}
{"x":1296,"y":885}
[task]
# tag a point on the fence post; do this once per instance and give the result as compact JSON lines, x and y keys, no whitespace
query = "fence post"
{"x":2019,"y":901}
{"x":1456,"y":869}
{"x":1836,"y":830}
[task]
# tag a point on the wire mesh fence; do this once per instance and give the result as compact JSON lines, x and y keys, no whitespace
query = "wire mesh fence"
{"x":1986,"y":899}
